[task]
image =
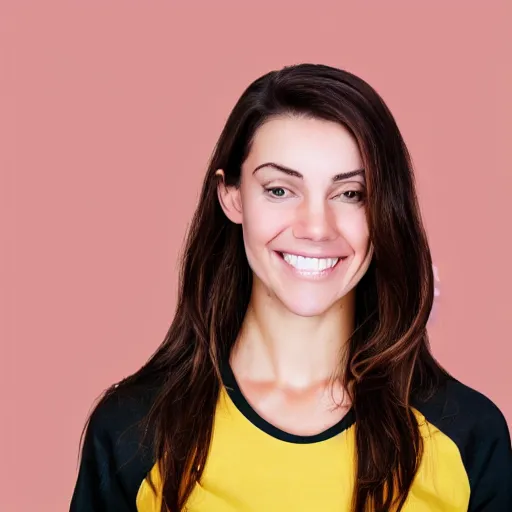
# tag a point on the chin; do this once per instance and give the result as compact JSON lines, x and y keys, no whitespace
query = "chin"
{"x":307,"y":308}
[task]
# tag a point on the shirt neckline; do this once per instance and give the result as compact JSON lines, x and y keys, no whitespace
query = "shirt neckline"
{"x":235,"y":394}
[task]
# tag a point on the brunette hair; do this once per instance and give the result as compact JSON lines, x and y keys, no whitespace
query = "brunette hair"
{"x":388,"y":363}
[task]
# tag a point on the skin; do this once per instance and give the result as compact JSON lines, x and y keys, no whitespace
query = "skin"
{"x":297,"y":324}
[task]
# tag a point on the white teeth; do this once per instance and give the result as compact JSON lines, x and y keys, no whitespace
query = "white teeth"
{"x":309,"y":264}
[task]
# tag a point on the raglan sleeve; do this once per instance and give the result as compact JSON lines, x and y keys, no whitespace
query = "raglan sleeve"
{"x":99,"y":486}
{"x":489,"y":462}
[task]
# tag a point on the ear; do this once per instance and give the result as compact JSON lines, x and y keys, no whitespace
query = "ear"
{"x":229,"y":198}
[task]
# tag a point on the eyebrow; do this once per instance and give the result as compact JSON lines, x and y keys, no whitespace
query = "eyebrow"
{"x":291,"y":172}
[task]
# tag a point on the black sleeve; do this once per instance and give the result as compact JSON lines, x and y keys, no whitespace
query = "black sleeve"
{"x":98,"y":487}
{"x":116,"y":457}
{"x":489,"y":464}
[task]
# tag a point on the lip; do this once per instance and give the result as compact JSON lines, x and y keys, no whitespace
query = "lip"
{"x":313,"y":275}
{"x":310,"y":255}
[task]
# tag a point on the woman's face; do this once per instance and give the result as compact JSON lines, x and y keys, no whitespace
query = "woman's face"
{"x":301,"y":203}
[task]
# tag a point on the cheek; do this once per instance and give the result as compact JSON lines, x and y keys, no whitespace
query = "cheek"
{"x":353,"y":227}
{"x":261,"y":223}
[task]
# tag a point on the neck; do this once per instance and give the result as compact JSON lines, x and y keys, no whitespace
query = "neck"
{"x":292,"y":351}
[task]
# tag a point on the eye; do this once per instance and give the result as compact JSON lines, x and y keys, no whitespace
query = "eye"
{"x":351,"y":196}
{"x":276,"y":192}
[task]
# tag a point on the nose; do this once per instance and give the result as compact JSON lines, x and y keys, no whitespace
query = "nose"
{"x":315,"y":222}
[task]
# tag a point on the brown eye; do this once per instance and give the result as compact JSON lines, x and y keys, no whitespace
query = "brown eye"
{"x":351,"y":196}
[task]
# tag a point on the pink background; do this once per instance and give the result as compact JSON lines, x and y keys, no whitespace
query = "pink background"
{"x":108,"y":114}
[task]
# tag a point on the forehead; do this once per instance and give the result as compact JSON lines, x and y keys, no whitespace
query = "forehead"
{"x":306,"y":145}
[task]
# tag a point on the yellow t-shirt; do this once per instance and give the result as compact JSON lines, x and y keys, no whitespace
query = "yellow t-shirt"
{"x":255,"y":467}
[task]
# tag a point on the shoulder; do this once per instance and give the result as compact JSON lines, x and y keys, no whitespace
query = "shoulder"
{"x":118,"y":421}
{"x":123,"y":408}
{"x":457,"y":408}
{"x":480,"y":431}
{"x":117,"y":452}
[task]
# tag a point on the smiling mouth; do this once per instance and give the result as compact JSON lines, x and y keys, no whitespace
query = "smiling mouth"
{"x":309,"y":265}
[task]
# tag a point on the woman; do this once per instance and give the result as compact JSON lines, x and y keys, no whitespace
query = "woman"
{"x":296,"y":374}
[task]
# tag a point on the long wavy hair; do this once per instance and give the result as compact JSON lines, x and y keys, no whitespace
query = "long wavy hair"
{"x":388,"y":363}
